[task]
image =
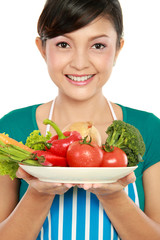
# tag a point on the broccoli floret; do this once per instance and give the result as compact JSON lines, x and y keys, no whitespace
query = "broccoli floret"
{"x":128,"y":138}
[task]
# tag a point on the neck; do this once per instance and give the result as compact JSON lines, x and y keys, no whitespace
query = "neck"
{"x":94,"y":109}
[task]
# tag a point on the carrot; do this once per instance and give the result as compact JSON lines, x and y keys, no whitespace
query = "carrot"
{"x":7,"y":140}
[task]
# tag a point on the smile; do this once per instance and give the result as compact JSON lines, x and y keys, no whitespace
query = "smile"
{"x":79,"y":78}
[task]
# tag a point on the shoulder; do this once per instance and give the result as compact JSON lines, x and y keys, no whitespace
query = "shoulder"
{"x":149,"y":126}
{"x":140,"y":119}
{"x":147,"y":123}
{"x":19,"y":113}
{"x":19,"y":121}
{"x":17,"y":116}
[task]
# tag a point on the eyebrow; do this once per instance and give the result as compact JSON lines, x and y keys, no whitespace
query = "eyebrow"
{"x":90,"y":38}
{"x":98,"y":36}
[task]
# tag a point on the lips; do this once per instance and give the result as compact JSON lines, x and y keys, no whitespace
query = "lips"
{"x":80,"y":80}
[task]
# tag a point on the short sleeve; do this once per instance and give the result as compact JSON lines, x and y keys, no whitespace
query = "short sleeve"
{"x":152,"y":141}
{"x":19,"y":123}
{"x":8,"y":125}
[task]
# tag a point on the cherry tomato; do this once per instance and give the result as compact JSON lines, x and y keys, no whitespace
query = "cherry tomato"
{"x":84,"y":155}
{"x":116,"y":158}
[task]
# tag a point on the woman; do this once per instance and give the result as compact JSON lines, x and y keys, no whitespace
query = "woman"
{"x":80,"y":42}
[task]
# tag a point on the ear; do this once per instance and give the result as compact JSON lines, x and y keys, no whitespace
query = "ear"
{"x":40,"y":47}
{"x":119,"y":49}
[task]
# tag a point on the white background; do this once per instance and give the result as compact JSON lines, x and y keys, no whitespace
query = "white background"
{"x":24,"y":78}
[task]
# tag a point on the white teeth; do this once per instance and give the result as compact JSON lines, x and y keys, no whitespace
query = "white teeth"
{"x":79,"y":79}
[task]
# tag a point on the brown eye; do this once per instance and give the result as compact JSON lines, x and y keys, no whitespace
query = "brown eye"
{"x":63,"y":45}
{"x":98,"y":46}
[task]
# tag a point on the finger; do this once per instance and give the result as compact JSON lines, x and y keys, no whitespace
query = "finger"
{"x":47,"y":187}
{"x":99,"y":185}
{"x":37,"y":184}
{"x":68,"y":185}
{"x":23,"y":174}
{"x":86,"y":186}
{"x":130,"y":178}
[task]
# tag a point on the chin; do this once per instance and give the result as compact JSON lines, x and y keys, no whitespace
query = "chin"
{"x":79,"y":96}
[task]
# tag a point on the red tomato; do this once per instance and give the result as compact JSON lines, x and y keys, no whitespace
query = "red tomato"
{"x":84,"y":155}
{"x":116,"y":158}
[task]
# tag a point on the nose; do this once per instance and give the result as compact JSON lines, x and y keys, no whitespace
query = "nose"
{"x":80,"y":60}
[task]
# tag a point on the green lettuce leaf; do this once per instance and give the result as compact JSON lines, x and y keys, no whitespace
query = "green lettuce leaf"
{"x":8,"y":168}
{"x":35,"y":137}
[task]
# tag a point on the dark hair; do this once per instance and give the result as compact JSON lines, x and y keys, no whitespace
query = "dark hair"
{"x":63,"y":16}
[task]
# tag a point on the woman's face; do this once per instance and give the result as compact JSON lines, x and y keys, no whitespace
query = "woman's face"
{"x":81,"y":62}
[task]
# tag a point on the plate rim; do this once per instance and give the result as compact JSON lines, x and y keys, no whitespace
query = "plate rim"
{"x":80,"y":168}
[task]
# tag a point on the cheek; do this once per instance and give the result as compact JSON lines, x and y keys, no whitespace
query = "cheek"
{"x":108,"y":58}
{"x":55,"y":60}
{"x":54,"y":68}
{"x":105,"y":63}
{"x":104,"y":66}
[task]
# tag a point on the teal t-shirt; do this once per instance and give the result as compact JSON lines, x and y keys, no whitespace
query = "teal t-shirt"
{"x":20,"y":123}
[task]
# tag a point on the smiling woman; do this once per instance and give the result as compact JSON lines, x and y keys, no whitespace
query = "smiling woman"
{"x":80,"y":41}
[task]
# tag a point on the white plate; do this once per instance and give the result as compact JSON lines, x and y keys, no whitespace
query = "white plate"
{"x":78,"y":175}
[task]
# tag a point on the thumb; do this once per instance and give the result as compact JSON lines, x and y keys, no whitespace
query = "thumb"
{"x":130,"y":178}
{"x":23,"y":174}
